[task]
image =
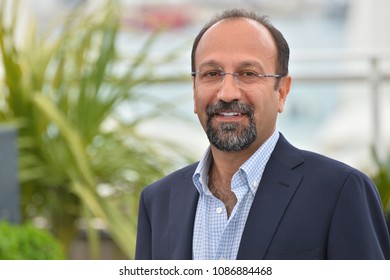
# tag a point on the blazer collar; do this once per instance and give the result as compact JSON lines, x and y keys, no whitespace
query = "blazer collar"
{"x":182,"y":206}
{"x":277,"y":187}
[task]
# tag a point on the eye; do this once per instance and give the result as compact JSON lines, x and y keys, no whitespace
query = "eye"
{"x":248,"y":74}
{"x":211,"y":74}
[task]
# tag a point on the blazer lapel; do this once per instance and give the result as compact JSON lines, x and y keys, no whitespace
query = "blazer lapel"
{"x":277,"y":187}
{"x":183,"y":203}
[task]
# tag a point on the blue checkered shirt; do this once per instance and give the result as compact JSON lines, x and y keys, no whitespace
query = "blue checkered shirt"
{"x":216,"y":236}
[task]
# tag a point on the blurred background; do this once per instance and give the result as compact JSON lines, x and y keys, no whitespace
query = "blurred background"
{"x":96,"y":103}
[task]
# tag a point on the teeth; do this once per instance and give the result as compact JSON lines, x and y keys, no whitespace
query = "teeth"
{"x":230,"y":114}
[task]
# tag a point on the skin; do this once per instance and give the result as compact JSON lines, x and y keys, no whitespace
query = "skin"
{"x":230,"y":44}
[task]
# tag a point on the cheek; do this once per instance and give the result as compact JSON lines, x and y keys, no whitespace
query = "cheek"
{"x":200,"y":109}
{"x":266,"y":109}
{"x":197,"y":105}
{"x":198,"y":99}
{"x":201,"y":101}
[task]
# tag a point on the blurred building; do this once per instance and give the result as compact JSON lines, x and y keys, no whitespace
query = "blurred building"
{"x":339,"y":62}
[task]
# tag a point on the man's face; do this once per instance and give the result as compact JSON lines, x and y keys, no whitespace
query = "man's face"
{"x":235,"y":115}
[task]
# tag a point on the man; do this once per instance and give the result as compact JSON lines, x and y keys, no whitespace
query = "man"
{"x":253,"y":195}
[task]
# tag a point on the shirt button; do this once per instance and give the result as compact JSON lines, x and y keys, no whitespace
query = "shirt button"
{"x":219,"y":210}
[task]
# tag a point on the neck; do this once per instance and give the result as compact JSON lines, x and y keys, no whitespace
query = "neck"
{"x":227,"y":163}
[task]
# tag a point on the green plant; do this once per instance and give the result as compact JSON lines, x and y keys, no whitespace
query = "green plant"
{"x":79,"y":160}
{"x":382,"y":180}
{"x":25,"y":242}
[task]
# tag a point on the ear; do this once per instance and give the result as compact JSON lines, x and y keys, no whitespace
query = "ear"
{"x":283,"y":90}
{"x":194,"y":90}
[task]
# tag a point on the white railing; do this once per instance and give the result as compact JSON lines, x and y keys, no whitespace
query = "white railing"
{"x":371,"y":67}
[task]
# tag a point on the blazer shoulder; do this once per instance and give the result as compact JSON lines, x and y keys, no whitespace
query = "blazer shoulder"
{"x":314,"y":165}
{"x":296,"y":158}
{"x":317,"y":158}
{"x":326,"y":163}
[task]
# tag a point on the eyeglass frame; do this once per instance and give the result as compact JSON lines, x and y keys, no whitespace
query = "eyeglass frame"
{"x":236,"y":75}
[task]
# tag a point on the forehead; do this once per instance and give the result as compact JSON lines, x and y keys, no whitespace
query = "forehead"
{"x":235,"y":41}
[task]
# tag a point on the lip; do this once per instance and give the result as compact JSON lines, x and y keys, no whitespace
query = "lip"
{"x":229,"y":112}
{"x":229,"y":116}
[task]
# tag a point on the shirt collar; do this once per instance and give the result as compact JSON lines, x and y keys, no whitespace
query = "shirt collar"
{"x":255,"y":165}
{"x":253,"y":168}
{"x":200,"y":177}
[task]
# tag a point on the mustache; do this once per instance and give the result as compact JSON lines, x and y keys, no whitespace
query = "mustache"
{"x":234,"y":106}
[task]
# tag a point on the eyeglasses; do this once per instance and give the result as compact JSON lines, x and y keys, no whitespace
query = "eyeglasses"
{"x":244,"y":79}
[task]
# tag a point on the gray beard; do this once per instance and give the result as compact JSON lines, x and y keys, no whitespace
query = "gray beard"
{"x":229,"y":137}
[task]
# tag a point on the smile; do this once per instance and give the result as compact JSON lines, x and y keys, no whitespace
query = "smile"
{"x":230,"y":114}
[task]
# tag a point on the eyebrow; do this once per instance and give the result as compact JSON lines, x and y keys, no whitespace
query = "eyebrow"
{"x":242,"y":64}
{"x":210,"y":63}
{"x":251,"y":63}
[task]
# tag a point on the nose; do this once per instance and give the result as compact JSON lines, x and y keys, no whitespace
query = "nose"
{"x":229,"y":89}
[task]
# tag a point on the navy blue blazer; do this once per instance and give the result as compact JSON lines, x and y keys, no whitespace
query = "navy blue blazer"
{"x":307,"y":206}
